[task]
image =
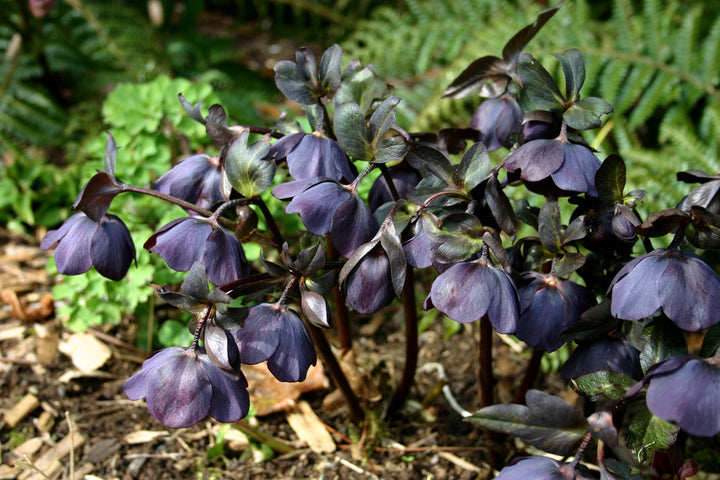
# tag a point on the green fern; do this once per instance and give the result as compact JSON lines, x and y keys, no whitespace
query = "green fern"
{"x":657,"y":62}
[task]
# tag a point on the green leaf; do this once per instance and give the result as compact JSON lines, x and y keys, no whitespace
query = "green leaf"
{"x":390,"y":149}
{"x":427,"y":159}
{"x":246,"y":166}
{"x":330,"y":65}
{"x":662,"y":339}
{"x":352,"y":131}
{"x":382,"y":119}
{"x":610,"y":179}
{"x":573,"y":66}
{"x":568,"y":263}
{"x":547,"y":422}
{"x":585,"y":114}
{"x":359,"y":85}
{"x":291,"y":82}
{"x":539,"y":84}
{"x":648,"y":433}
{"x":460,"y":236}
{"x":711,"y":342}
{"x":474,"y":167}
{"x":611,"y":385}
{"x":549,"y":226}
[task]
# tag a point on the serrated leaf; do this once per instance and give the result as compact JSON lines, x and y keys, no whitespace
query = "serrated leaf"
{"x":352,"y":131}
{"x":246,"y":166}
{"x":330,"y":69}
{"x":474,"y":167}
{"x":459,"y":238}
{"x":196,"y":282}
{"x":586,"y":113}
{"x":549,"y":226}
{"x":311,"y":260}
{"x":547,"y":422}
{"x":539,"y":84}
{"x":568,"y":263}
{"x":359,"y":85}
{"x":520,"y":40}
{"x":475,"y":76}
{"x":611,"y":385}
{"x":500,"y":206}
{"x":382,"y":119}
{"x":663,"y":222}
{"x":427,"y":159}
{"x":291,"y":82}
{"x":390,"y":149}
{"x":610,"y":179}
{"x":573,"y":66}
{"x":194,"y":111}
{"x":648,"y":433}
{"x":661,"y":339}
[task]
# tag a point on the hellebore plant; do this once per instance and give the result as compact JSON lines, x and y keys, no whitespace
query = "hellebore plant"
{"x":567,"y":269}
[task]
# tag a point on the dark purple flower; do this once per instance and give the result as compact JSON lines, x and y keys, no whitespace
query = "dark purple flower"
{"x":369,"y":286}
{"x":325,"y":206}
{"x":275,"y":333}
{"x":419,"y":250}
{"x":196,"y":180}
{"x":685,"y":391}
{"x":182,"y":387}
{"x":470,"y":290}
{"x":313,"y":155}
{"x":538,"y":130}
{"x":612,"y":228}
{"x":555,"y":167}
{"x":83,"y":243}
{"x":405,"y":178}
{"x":187,"y":240}
{"x":604,"y":354}
{"x":539,"y":468}
{"x":679,"y":282}
{"x":548,"y":306}
{"x":499,"y":120}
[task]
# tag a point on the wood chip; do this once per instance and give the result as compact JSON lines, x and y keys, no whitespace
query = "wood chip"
{"x":21,"y":409}
{"x":143,"y":436}
{"x":268,"y":395}
{"x":21,"y":309}
{"x":51,"y":462}
{"x":86,"y":351}
{"x":310,"y":429}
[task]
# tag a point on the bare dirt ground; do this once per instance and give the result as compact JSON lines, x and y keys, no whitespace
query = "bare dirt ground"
{"x":65,"y":415}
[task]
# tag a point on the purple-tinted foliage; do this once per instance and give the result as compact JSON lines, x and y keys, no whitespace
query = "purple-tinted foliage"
{"x":369,"y":286}
{"x":467,"y":291}
{"x":548,"y":306}
{"x":187,"y":240}
{"x":311,"y":155}
{"x":539,"y":468}
{"x":182,"y":387}
{"x":685,"y":391}
{"x":325,"y":206}
{"x":679,"y":282}
{"x":405,"y":178}
{"x":83,"y":243}
{"x":196,"y":179}
{"x":539,"y":130}
{"x":275,"y":333}
{"x":604,"y":354}
{"x":499,"y":121}
{"x":555,"y":167}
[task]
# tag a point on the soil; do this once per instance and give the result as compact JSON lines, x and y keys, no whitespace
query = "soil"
{"x":114,"y":438}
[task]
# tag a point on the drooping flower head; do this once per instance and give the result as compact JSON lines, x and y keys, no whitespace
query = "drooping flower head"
{"x":326,"y":206}
{"x":548,"y":306}
{"x":196,"y":179}
{"x":603,"y":354}
{"x":276,"y":334}
{"x":313,"y":155}
{"x":678,"y":282}
{"x":469,"y":290}
{"x":83,"y":243}
{"x":539,"y":468}
{"x":187,"y":240}
{"x":684,"y":390}
{"x":498,"y":120}
{"x":182,"y":386}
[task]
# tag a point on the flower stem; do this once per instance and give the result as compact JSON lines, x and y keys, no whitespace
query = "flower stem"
{"x":336,"y":372}
{"x":270,"y":221}
{"x":342,"y":316}
{"x":388,"y":179}
{"x":411,"y":342}
{"x":531,"y":373}
{"x":485,"y":365}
